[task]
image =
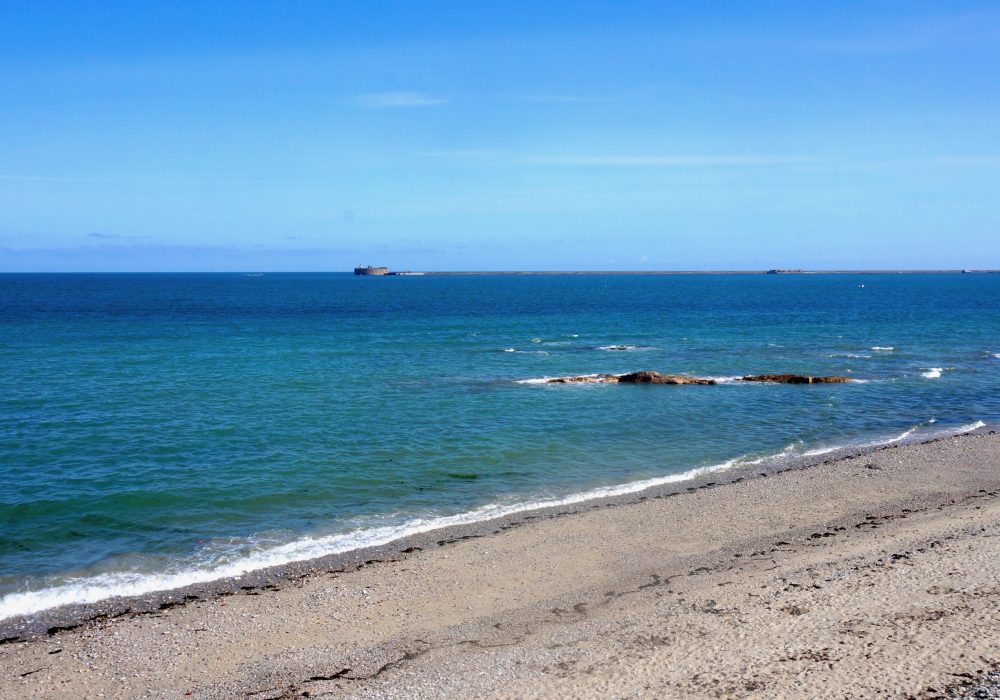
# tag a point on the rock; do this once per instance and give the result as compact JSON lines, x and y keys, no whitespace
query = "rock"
{"x":644,"y":377}
{"x":586,"y":379}
{"x":794,"y":379}
{"x":650,"y":377}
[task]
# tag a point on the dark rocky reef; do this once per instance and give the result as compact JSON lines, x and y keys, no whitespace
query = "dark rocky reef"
{"x":651,"y":377}
{"x":643,"y":377}
{"x":586,"y":379}
{"x":794,"y":379}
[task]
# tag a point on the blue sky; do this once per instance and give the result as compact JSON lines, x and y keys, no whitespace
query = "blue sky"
{"x":543,"y":135}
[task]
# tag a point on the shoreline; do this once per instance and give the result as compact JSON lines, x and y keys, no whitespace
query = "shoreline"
{"x":872,"y":575}
{"x":71,"y":616}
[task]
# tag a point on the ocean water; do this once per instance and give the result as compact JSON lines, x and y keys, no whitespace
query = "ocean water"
{"x":158,"y":430}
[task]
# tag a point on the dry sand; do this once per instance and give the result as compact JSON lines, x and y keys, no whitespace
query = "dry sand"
{"x":873,"y":576}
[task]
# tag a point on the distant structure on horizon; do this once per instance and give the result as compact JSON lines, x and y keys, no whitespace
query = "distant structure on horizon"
{"x":784,"y":272}
{"x":379,"y":271}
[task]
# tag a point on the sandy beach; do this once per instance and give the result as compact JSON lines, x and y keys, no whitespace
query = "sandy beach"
{"x":870,"y":576}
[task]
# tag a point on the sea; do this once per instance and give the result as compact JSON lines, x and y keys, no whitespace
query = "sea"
{"x":158,"y":430}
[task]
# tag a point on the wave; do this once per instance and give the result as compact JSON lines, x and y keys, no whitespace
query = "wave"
{"x":726,"y":379}
{"x":99,"y":587}
{"x":624,"y":348}
{"x":94,"y":588}
{"x":961,"y":430}
{"x":881,"y":348}
{"x":525,"y":352}
{"x":547,"y":380}
{"x":854,"y":355}
{"x":932,"y":372}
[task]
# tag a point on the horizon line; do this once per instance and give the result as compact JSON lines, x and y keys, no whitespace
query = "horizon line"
{"x":775,"y":272}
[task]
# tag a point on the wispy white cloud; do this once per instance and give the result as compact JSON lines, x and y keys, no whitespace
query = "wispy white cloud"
{"x":493,"y":157}
{"x":662,"y":161}
{"x":500,"y":157}
{"x":115,"y":236}
{"x":980,"y":27}
{"x":560,"y":98}
{"x":396,"y":100}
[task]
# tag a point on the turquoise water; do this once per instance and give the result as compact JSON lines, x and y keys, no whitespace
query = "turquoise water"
{"x":157,"y":430}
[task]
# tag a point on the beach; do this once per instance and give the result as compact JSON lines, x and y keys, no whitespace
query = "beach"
{"x":869,"y":576}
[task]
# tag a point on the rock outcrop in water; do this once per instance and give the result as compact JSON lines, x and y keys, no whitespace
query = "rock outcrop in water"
{"x":651,"y":377}
{"x":586,"y":379}
{"x":794,"y":379}
{"x":643,"y":377}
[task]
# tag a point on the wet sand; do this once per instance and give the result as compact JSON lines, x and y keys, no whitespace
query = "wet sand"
{"x":872,"y":576}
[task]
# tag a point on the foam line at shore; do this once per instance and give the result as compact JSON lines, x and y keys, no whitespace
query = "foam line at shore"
{"x":902,"y":437}
{"x":112,"y":584}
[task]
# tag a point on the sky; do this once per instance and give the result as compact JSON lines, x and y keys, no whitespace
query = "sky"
{"x":315,"y":136}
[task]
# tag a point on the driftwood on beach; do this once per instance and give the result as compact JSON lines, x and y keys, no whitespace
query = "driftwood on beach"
{"x":652,"y":377}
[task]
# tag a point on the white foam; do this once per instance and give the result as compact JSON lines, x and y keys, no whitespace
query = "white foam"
{"x":95,"y":588}
{"x":625,"y":348}
{"x":548,"y":380}
{"x":526,"y":352}
{"x":99,"y":587}
{"x":875,"y":443}
{"x":961,"y":430}
{"x":932,"y":372}
{"x":880,"y":348}
{"x":725,"y":379}
{"x":996,"y":355}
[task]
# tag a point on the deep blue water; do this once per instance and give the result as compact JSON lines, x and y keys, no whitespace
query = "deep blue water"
{"x":161,"y":429}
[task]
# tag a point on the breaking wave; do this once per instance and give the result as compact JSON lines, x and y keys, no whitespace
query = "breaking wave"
{"x":94,"y":588}
{"x":584,"y":379}
{"x":624,"y":348}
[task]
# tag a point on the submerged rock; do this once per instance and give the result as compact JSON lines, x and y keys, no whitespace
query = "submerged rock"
{"x":794,"y":379}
